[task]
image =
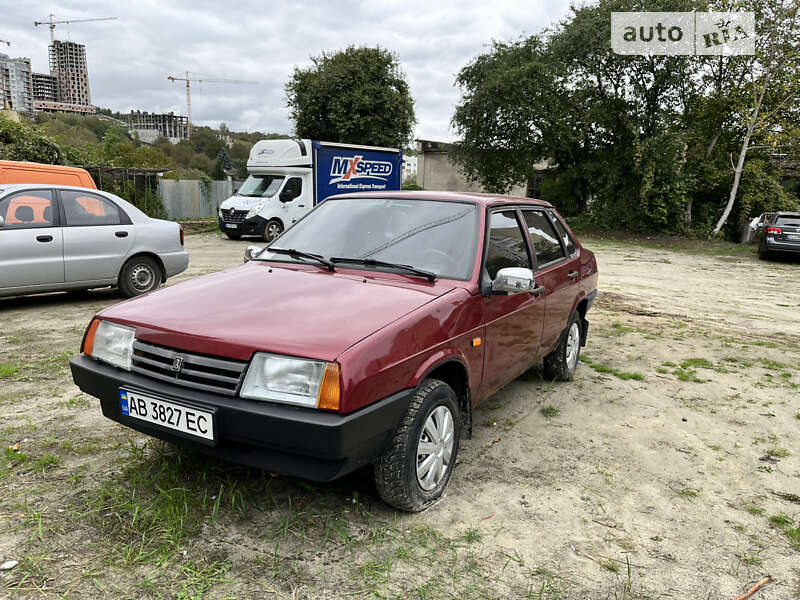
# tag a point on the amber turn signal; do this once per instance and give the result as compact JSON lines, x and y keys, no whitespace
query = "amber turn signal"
{"x":476,"y":342}
{"x":88,"y":339}
{"x":329,"y":395}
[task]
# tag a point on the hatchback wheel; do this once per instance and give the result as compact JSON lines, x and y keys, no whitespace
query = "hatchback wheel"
{"x":415,"y":469}
{"x":140,"y":275}
{"x":273,"y":229}
{"x":562,"y":362}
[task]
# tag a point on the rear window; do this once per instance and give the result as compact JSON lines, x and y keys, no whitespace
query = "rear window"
{"x":788,"y":221}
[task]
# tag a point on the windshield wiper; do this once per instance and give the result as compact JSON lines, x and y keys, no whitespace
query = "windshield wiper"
{"x":300,"y":254}
{"x":371,"y":262}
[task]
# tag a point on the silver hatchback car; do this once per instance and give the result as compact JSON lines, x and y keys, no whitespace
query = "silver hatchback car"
{"x":70,"y":238}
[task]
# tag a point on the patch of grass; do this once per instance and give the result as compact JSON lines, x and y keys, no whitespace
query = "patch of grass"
{"x":780,"y":521}
{"x":687,"y":375}
{"x":778,"y":452}
{"x":688,"y":494}
{"x":600,"y":368}
{"x":199,"y":579}
{"x":45,"y":462}
{"x":668,"y":363}
{"x":7,"y":370}
{"x":610,"y":565}
{"x":12,"y":339}
{"x":701,"y":363}
{"x":754,"y":510}
{"x":78,"y":401}
{"x":772,"y":364}
{"x":549,"y":411}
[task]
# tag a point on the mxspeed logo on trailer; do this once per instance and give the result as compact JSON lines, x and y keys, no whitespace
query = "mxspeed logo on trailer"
{"x":344,"y":168}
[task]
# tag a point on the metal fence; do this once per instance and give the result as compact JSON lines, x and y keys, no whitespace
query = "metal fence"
{"x":192,"y":198}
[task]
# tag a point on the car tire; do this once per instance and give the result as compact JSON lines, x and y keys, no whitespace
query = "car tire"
{"x":272,"y":230}
{"x":233,"y":236}
{"x":433,"y":411}
{"x":139,"y":275}
{"x":763,"y":253}
{"x":561,"y":363}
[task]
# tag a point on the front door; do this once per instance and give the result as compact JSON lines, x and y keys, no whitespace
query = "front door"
{"x":514,"y":321}
{"x":31,"y":245}
{"x":97,"y":237}
{"x":294,"y":199}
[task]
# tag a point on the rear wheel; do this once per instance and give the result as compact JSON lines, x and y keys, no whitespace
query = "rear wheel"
{"x":763,"y":253}
{"x":562,"y":362}
{"x":414,"y":471}
{"x":272,"y":230}
{"x":139,"y":275}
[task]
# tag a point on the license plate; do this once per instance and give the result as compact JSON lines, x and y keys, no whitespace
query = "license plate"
{"x":792,"y":236}
{"x":231,"y":225}
{"x":192,"y":421}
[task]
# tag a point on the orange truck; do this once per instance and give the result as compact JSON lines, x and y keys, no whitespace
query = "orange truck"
{"x":29,"y":172}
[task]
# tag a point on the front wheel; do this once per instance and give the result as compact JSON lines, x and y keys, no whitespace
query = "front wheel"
{"x":414,"y":470}
{"x":139,"y":275}
{"x":561,"y":363}
{"x":272,"y":230}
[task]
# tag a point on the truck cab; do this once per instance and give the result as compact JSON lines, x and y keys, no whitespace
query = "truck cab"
{"x":287,"y":178}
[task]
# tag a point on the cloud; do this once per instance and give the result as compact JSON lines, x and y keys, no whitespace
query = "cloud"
{"x":129,"y":59}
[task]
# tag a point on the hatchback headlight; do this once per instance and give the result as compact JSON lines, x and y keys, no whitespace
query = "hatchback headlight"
{"x":255,"y":210}
{"x":111,"y":343}
{"x":289,"y":380}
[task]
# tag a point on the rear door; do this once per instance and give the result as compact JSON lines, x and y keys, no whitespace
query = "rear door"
{"x":97,"y":236}
{"x":31,"y":242}
{"x":557,"y":268}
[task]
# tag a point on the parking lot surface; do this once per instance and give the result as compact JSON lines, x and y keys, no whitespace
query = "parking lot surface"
{"x":669,"y":467}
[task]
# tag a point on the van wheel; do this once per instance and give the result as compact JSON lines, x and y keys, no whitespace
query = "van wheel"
{"x":139,"y":275}
{"x":273,"y":229}
{"x":414,"y":470}
{"x":561,"y":363}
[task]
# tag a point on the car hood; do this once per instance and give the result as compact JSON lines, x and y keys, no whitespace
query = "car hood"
{"x":259,"y":306}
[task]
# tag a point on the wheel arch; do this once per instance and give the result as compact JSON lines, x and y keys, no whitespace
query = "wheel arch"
{"x":152,"y":255}
{"x":451,"y":369}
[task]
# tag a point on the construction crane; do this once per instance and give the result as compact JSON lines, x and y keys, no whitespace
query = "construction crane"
{"x":188,"y":79}
{"x":53,"y":23}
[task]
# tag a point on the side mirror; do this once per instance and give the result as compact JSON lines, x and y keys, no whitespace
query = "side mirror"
{"x":235,"y":191}
{"x":250,"y":252}
{"x":2,"y":221}
{"x":513,"y":280}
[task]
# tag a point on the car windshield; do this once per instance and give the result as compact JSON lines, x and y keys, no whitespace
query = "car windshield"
{"x":261,"y":186}
{"x":438,"y":237}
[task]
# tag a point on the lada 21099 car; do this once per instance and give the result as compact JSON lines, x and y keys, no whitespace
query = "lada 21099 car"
{"x":364,"y":334}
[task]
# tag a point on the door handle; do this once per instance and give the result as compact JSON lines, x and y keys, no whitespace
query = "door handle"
{"x":538,"y":290}
{"x":44,"y":238}
{"x":121,"y":234}
{"x":572,"y":274}
{"x":301,"y":206}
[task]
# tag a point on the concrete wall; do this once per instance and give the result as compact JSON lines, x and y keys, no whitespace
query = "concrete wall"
{"x":436,"y":172}
{"x":190,"y":199}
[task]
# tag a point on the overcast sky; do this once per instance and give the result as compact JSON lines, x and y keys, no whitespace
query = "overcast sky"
{"x":129,"y":59}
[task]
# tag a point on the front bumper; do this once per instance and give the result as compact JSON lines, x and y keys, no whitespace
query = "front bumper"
{"x":306,"y":443}
{"x":252,"y":226}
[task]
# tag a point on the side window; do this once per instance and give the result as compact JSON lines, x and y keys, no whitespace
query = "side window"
{"x":83,"y":208}
{"x":27,"y":210}
{"x":569,"y":244}
{"x":292,"y":189}
{"x":543,"y":237}
{"x":507,"y":247}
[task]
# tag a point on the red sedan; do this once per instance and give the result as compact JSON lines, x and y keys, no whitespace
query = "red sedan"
{"x":365,"y":334}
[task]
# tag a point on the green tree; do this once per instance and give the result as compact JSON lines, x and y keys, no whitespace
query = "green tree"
{"x":355,"y":96}
{"x":19,"y":141}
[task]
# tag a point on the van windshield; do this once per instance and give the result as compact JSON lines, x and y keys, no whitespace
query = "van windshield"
{"x":261,"y":186}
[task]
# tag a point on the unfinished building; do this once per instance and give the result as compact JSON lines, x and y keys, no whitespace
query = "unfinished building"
{"x":45,"y":87}
{"x":68,"y":65}
{"x":151,"y":126}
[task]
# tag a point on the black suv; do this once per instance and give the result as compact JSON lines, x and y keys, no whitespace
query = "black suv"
{"x":780,"y":233}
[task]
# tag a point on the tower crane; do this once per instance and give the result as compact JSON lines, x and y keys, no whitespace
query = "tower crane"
{"x":53,"y":23}
{"x":188,"y":79}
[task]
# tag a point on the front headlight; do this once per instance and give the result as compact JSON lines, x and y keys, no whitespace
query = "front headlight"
{"x":255,"y":210}
{"x":220,"y":213}
{"x":111,"y":343}
{"x":298,"y":381}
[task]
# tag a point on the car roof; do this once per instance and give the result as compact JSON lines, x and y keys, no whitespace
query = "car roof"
{"x":474,"y":197}
{"x":787,"y":213}
{"x":15,"y":187}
